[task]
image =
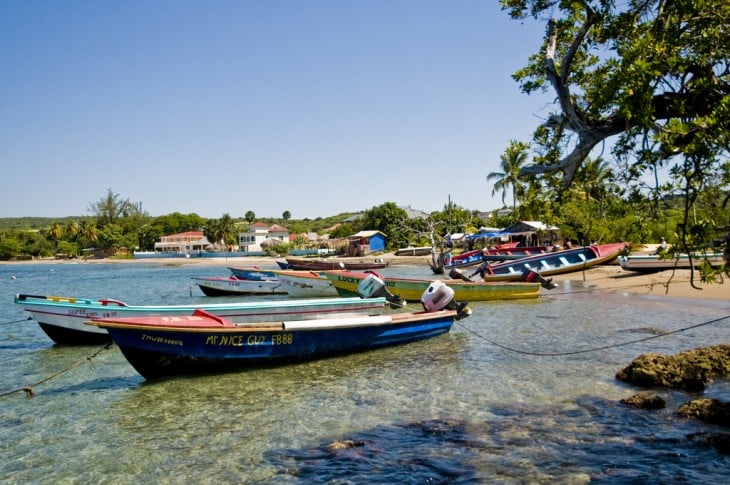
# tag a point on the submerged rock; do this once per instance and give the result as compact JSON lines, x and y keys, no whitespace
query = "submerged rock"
{"x":645,"y":400}
{"x":690,"y":370}
{"x":707,"y":410}
{"x":721,"y":441}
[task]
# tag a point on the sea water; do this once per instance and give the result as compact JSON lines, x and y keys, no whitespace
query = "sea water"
{"x":481,"y":404}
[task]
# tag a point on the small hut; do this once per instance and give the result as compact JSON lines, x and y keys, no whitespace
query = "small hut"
{"x":365,"y":242}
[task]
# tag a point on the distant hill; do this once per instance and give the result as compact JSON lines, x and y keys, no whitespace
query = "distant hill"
{"x":32,"y":223}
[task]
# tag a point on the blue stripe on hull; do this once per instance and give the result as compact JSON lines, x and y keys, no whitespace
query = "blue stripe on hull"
{"x":157,"y":354}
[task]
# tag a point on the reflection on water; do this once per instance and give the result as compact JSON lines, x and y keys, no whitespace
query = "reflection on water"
{"x":452,"y":409}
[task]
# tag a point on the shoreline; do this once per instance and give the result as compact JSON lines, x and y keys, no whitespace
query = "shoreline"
{"x":610,"y":277}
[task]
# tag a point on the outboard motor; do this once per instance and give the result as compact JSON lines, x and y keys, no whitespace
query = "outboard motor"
{"x":529,"y":275}
{"x":457,"y":274}
{"x":372,"y":286}
{"x":438,"y":296}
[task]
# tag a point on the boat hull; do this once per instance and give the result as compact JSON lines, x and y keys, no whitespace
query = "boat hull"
{"x":512,"y":254}
{"x":252,"y":273}
{"x":157,"y":351}
{"x":213,"y":286}
{"x":346,"y":284}
{"x":306,"y":284}
{"x":62,"y":319}
{"x":554,"y":263}
{"x":327,"y":264}
{"x":648,"y":263}
{"x":414,"y":251}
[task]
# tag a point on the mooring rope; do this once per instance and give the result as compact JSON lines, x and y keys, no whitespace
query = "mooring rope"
{"x":29,"y":389}
{"x":594,"y":349}
{"x":17,"y":321}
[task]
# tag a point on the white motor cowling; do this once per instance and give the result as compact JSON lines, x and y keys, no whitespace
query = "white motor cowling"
{"x":437,"y":296}
{"x":371,"y":287}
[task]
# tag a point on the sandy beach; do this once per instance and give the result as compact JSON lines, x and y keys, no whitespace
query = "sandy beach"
{"x":611,"y":277}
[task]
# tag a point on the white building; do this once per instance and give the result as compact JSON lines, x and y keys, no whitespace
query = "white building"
{"x":258,"y":232}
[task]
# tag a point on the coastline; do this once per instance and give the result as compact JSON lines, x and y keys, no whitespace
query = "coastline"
{"x":611,"y":277}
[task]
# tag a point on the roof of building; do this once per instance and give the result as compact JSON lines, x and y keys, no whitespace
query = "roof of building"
{"x":187,"y":234}
{"x":415,"y":213}
{"x":367,"y":234}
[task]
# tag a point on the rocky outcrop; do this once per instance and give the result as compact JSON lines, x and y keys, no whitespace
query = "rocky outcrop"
{"x":645,"y":400}
{"x":708,"y":410}
{"x":690,"y":370}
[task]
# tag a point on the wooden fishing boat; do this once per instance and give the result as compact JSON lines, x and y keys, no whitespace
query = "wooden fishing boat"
{"x":203,"y":343}
{"x":648,"y":263}
{"x":220,"y":286}
{"x":500,"y":252}
{"x":331,"y":264}
{"x":348,"y":284}
{"x":463,"y":260}
{"x":548,"y":264}
{"x":252,"y":273}
{"x":305,"y":284}
{"x":62,"y":318}
{"x":511,"y":254}
{"x":414,"y":251}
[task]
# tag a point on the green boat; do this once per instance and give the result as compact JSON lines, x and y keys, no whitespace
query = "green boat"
{"x":347,"y":282}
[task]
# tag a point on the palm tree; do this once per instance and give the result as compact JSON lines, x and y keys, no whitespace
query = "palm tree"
{"x":514,"y":157}
{"x":212,"y":231}
{"x":56,"y":232}
{"x":88,"y":230}
{"x":228,"y":230}
{"x":71,"y":230}
{"x":250,"y":216}
{"x":595,"y":175}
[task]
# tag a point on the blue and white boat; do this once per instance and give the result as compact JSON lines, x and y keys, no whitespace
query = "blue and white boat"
{"x":62,"y":318}
{"x":253,"y":273}
{"x":203,"y":343}
{"x":222,"y":286}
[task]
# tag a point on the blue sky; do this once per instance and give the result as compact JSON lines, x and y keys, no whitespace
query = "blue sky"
{"x":312,"y":106}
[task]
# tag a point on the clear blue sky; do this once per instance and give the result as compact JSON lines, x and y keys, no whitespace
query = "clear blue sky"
{"x":224,"y":106}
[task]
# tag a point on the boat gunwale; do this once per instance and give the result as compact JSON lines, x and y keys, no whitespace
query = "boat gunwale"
{"x":210,"y":307}
{"x":261,"y":327}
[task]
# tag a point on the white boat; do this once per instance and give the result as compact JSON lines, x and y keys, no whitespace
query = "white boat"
{"x":62,"y":318}
{"x":305,"y":284}
{"x":653,"y":262}
{"x":220,"y":286}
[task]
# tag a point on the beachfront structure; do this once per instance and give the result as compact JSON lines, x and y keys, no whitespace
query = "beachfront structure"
{"x":258,"y":232}
{"x":183,"y":243}
{"x":365,"y":242}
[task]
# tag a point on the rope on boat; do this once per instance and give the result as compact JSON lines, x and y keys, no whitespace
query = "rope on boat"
{"x":595,"y":349}
{"x":29,"y":389}
{"x":16,"y":321}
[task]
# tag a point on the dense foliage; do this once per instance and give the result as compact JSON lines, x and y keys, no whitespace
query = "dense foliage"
{"x":648,"y":82}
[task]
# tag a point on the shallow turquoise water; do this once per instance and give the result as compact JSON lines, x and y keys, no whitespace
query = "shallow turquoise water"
{"x":453,"y":409}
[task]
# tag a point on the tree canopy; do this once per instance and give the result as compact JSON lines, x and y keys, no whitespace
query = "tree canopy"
{"x":652,"y":75}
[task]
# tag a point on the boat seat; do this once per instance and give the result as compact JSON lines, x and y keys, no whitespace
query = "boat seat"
{"x":545,"y":264}
{"x":582,"y":257}
{"x":564,"y":261}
